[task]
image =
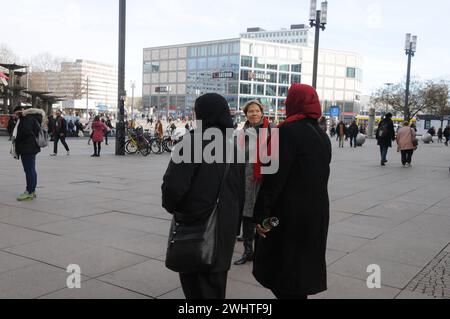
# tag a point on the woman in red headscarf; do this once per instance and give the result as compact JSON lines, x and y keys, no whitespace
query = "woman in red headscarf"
{"x":290,"y":259}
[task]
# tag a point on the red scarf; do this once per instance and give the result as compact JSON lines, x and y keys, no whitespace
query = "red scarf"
{"x":257,"y":176}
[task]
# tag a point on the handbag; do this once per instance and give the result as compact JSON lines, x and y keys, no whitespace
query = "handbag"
{"x":13,"y":151}
{"x":193,"y":239}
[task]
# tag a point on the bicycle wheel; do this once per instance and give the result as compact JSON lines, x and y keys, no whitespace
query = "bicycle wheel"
{"x":131,"y":148}
{"x":156,"y":147}
{"x":144,"y":149}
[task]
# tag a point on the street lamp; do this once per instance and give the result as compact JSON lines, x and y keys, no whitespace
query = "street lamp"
{"x":387,"y":96}
{"x":318,"y":19}
{"x":410,"y":50}
{"x":133,"y":86}
{"x":120,"y":126}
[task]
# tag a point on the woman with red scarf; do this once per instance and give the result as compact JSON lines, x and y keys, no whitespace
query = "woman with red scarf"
{"x":254,"y":111}
{"x":290,"y":259}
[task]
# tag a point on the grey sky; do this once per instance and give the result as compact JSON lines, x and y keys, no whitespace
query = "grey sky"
{"x":375,"y":29}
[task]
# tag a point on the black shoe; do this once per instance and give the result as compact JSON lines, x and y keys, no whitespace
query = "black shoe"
{"x":244,"y":259}
{"x":382,"y":163}
{"x":95,"y":155}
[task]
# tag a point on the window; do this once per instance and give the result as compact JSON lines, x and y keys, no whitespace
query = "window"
{"x":193,"y":52}
{"x":271,"y":90}
{"x":246,"y":88}
{"x":351,"y":73}
{"x":297,"y":68}
{"x":192,"y":64}
{"x":246,"y":75}
{"x":213,"y":49}
{"x":202,"y":51}
{"x":427,"y":124}
{"x":283,"y":91}
{"x":202,"y":63}
{"x":272,"y":67}
{"x":284,"y":78}
{"x":272,"y":77}
{"x":247,"y":61}
{"x":296,"y":78}
{"x":284,"y":67}
{"x":258,"y":89}
{"x":259,"y":65}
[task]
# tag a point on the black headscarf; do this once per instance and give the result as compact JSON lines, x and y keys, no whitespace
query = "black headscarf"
{"x":213,"y":110}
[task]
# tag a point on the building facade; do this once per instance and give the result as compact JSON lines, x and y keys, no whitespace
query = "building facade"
{"x":245,"y":69}
{"x":92,"y":85}
{"x":298,"y":34}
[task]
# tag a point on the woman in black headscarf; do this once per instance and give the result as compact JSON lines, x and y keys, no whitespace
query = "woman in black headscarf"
{"x":191,"y":187}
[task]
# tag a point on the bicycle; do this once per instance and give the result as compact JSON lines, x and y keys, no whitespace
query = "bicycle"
{"x":137,"y":142}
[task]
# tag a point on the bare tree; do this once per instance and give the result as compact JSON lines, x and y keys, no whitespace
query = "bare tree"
{"x":423,"y":97}
{"x":7,"y":55}
{"x":437,"y":96}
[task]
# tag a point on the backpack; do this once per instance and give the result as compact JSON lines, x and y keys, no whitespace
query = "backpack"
{"x":42,"y":137}
{"x":383,"y":130}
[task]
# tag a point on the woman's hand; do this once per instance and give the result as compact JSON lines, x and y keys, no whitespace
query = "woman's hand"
{"x":261,"y":231}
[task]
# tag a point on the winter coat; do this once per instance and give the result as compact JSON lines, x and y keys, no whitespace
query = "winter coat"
{"x":292,"y":259}
{"x":353,"y":130}
{"x":98,"y":131}
{"x":386,"y":141}
{"x":29,"y":127}
{"x":11,"y":125}
{"x":192,"y":189}
{"x":405,"y":137}
{"x":341,"y":130}
{"x":447,"y":132}
{"x":60,"y":126}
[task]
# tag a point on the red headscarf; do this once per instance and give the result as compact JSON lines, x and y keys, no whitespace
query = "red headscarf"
{"x":302,"y":103}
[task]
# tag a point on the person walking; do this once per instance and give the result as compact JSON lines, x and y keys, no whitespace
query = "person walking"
{"x":11,"y":126}
{"x":110,"y":128}
{"x":405,"y":137}
{"x":432,"y":132}
{"x":191,"y":188}
{"x":446,"y":134}
{"x":341,"y":133}
{"x":27,"y":148}
{"x":385,"y":135}
{"x":98,"y":134}
{"x":60,"y":133}
{"x":254,"y":111}
{"x":51,"y":127}
{"x":440,"y":135}
{"x":353,"y":131}
{"x":290,"y":260}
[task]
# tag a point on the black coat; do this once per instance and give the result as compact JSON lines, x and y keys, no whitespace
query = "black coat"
{"x":292,"y":259}
{"x":353,"y":130}
{"x":60,"y":126}
{"x":386,"y":141}
{"x":27,"y":131}
{"x":11,"y":125}
{"x":193,"y":188}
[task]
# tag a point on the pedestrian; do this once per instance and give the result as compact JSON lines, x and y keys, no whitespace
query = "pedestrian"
{"x":385,"y":135}
{"x":341,"y":133}
{"x":51,"y":127}
{"x":11,"y":126}
{"x":159,"y":130}
{"x":405,"y":137}
{"x":290,"y":260}
{"x":440,"y":135}
{"x":432,"y":132}
{"x":192,"y":189}
{"x":446,"y":134}
{"x":254,"y":111}
{"x":353,"y":131}
{"x":98,"y":134}
{"x":60,"y":133}
{"x":71,"y":127}
{"x":27,"y":147}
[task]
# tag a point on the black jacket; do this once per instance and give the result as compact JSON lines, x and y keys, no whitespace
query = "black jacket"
{"x":60,"y":126}
{"x":11,"y":125}
{"x":353,"y":130}
{"x":292,"y":259}
{"x":386,"y":141}
{"x":193,"y":188}
{"x":27,"y":131}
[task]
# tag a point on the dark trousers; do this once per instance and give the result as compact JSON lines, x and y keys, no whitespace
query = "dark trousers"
{"x":204,"y":285}
{"x":63,"y":142}
{"x":29,"y":166}
{"x":106,"y":137}
{"x":249,"y":233}
{"x":285,"y":296}
{"x":384,"y":151}
{"x":97,"y":148}
{"x":407,"y":156}
{"x":353,"y":141}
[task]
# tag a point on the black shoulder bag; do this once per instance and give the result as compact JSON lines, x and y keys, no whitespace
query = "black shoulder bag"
{"x":192,"y":244}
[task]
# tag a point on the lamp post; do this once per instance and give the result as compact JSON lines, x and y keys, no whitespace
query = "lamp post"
{"x":120,"y":126}
{"x":318,"y":19}
{"x":410,"y":50}
{"x":133,"y":86}
{"x":387,"y":96}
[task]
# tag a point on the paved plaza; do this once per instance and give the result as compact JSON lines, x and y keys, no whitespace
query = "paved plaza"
{"x":105,"y":215}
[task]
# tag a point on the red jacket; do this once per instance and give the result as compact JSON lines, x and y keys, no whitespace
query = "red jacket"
{"x":98,"y":131}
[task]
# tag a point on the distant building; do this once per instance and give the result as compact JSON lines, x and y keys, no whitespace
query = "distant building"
{"x":78,"y":81}
{"x":298,"y":34}
{"x":243,"y":69}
